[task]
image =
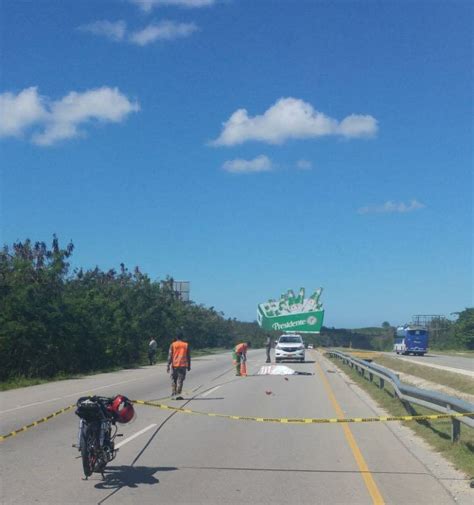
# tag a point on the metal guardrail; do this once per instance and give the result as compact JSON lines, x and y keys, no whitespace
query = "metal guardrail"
{"x":433,"y":400}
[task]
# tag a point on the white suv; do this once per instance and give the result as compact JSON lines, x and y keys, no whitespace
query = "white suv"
{"x":289,"y":347}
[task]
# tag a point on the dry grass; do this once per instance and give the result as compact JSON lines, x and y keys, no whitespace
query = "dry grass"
{"x":453,"y":380}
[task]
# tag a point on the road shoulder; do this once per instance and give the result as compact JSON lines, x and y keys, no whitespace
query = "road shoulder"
{"x":453,"y":481}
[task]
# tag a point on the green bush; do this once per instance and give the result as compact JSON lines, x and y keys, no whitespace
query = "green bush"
{"x":53,"y":321}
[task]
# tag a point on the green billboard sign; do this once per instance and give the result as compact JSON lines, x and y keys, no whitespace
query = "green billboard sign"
{"x":292,"y":312}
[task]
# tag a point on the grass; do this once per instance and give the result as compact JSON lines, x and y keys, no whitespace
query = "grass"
{"x":437,"y":433}
{"x":206,"y":351}
{"x":453,"y":380}
{"x":462,"y":353}
{"x":22,"y":382}
{"x":352,"y":350}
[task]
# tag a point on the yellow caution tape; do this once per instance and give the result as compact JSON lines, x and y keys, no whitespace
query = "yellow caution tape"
{"x":303,"y":420}
{"x":35,"y":423}
{"x":283,"y":420}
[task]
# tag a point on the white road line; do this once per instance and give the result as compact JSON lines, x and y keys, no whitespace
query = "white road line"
{"x":29,"y":405}
{"x":210,"y":391}
{"x":137,"y":434}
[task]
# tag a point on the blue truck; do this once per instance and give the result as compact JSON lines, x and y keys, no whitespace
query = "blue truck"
{"x":411,"y":340}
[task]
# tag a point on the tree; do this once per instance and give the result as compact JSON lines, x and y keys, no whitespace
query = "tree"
{"x":52,"y":321}
{"x":32,"y":336}
{"x":464,"y":328}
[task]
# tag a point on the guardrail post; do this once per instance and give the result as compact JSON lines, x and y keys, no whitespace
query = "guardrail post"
{"x":371,"y":377}
{"x":455,"y":427}
{"x":409,"y":407}
{"x":381,"y":383}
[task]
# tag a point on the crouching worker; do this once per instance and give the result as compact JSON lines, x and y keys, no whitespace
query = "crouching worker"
{"x":179,"y":361}
{"x":240,"y":356}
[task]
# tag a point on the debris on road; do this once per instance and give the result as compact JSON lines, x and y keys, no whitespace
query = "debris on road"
{"x":280,"y":370}
{"x":276,"y":370}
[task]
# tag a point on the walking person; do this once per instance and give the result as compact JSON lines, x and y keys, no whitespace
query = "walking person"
{"x":240,"y":356}
{"x":268,"y":347}
{"x":179,"y":361}
{"x":152,"y":347}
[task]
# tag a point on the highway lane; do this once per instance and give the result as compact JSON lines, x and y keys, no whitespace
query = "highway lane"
{"x":181,"y":458}
{"x":20,"y":406}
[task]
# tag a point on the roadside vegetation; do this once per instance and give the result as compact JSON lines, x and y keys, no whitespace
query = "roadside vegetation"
{"x":22,"y":381}
{"x":462,"y":354}
{"x":453,"y":380}
{"x":437,"y":433}
{"x":58,"y":323}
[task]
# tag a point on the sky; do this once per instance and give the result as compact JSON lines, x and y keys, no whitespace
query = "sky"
{"x":249,"y":147}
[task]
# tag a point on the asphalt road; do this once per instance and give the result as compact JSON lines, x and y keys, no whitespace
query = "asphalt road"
{"x":173,"y":458}
{"x":447,"y":362}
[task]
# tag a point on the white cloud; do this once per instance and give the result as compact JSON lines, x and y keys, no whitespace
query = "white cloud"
{"x":304,"y":165}
{"x":19,"y":112}
{"x":392,"y":207}
{"x":113,"y":30}
{"x":239,"y":166}
{"x":165,"y":30}
{"x":357,"y":125}
{"x":148,"y":5}
{"x":52,"y":121}
{"x":291,"y":118}
{"x":117,"y":31}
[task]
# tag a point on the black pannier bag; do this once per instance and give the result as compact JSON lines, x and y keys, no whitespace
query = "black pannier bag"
{"x":89,"y":409}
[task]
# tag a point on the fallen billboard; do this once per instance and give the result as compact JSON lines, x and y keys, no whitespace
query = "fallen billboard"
{"x":292,"y":313}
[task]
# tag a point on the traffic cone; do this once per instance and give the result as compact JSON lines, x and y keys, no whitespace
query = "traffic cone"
{"x":243,"y":369}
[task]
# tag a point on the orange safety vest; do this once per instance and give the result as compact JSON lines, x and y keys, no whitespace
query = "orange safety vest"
{"x":179,"y":354}
{"x":241,"y":348}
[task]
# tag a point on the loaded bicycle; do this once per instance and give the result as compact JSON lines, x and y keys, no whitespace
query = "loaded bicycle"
{"x":98,"y":429}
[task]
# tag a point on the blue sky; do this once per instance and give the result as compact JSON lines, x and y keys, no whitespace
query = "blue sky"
{"x":249,"y":147}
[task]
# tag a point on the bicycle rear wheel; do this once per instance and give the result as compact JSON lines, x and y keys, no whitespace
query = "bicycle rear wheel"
{"x":88,"y":450}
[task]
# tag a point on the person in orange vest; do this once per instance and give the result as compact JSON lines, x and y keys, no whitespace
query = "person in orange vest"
{"x":179,"y":361}
{"x":240,"y":355}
